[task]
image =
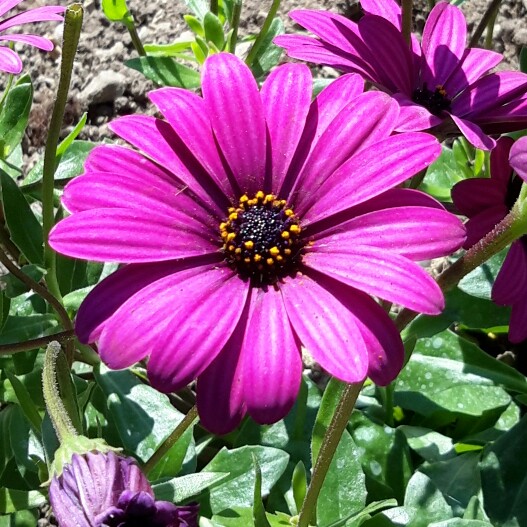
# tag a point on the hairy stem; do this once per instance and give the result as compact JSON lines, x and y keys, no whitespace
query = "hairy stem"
{"x":64,"y":336}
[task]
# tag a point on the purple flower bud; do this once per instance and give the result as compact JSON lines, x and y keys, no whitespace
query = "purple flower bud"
{"x":106,"y":490}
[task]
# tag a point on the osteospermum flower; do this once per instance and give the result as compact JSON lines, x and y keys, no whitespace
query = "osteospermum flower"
{"x":254,"y":223}
{"x":486,"y":201}
{"x":9,"y":59}
{"x":439,"y":84}
{"x":106,"y":490}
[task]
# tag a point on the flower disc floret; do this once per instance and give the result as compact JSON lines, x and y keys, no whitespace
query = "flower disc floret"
{"x":261,"y":238}
{"x":435,"y":101}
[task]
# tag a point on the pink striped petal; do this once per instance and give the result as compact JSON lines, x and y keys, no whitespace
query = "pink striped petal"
{"x":237,"y":116}
{"x":475,"y":63}
{"x":108,"y":296}
{"x":187,"y":114}
{"x":392,"y":57}
{"x":489,"y":93}
{"x":39,"y":14}
{"x":511,"y":282}
{"x":371,"y":172}
{"x":272,"y":365}
{"x":33,"y":40}
{"x":7,"y":5}
{"x":286,"y":96}
{"x":413,"y":117}
{"x":443,"y":43}
{"x":365,"y":121}
{"x":219,"y":389}
{"x":500,"y":167}
{"x":131,"y":236}
{"x":482,"y":223}
{"x":335,"y":342}
{"x":383,"y":274}
{"x":181,"y":321}
{"x":518,"y":322}
{"x":475,"y":195}
{"x":157,"y":139}
{"x":518,"y":157}
{"x":418,"y":233}
{"x":122,"y":191}
{"x":9,"y":61}
{"x":473,"y":133}
{"x":387,"y":9}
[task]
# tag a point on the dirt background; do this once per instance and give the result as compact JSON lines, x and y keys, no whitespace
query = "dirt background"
{"x":105,"y":88}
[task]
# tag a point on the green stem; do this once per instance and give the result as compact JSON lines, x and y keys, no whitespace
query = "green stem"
{"x":8,"y":349}
{"x":235,"y":23}
{"x":484,"y":22}
{"x":134,"y":35}
{"x":72,"y":27}
{"x":512,"y":227}
{"x":214,"y":7}
{"x":263,"y":32}
{"x":167,"y":444}
{"x":490,"y":29}
{"x":407,"y":6}
{"x":431,"y":4}
{"x":327,"y":451}
{"x":7,"y":88}
{"x":56,"y":409}
{"x":387,"y":395}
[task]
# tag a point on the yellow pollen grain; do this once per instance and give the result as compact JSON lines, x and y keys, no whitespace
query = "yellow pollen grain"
{"x":247,"y":260}
{"x":279,"y":258}
{"x":269,"y":198}
{"x":233,"y":216}
{"x":249,"y":244}
{"x":231,"y":248}
{"x":244,"y":198}
{"x":295,"y":229}
{"x":224,"y":234}
{"x":274,"y":251}
{"x":260,"y":195}
{"x":288,"y":212}
{"x":252,"y":202}
{"x":287,"y":252}
{"x":238,"y":250}
{"x":223,"y":225}
{"x":257,"y":257}
{"x":230,"y":210}
{"x":285,"y":235}
{"x":231,"y":236}
{"x":270,"y":261}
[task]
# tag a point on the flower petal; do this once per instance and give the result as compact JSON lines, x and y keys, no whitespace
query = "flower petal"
{"x":482,"y":223}
{"x":473,"y":133}
{"x":286,"y":96}
{"x":335,"y":342}
{"x":39,"y":14}
{"x":220,"y":387}
{"x":371,"y":172}
{"x":131,"y":236}
{"x":33,"y":40}
{"x":475,"y":195}
{"x":518,"y":157}
{"x":475,"y":63}
{"x":158,"y":140}
{"x":366,"y":120}
{"x":500,"y":167}
{"x":379,"y":273}
{"x":387,"y":9}
{"x":443,"y":43}
{"x":9,"y":61}
{"x":7,"y":5}
{"x":518,"y":322}
{"x":272,"y":365}
{"x":177,"y":105}
{"x":418,"y":233}
{"x":511,"y":282}
{"x":413,"y":117}
{"x":237,"y":116}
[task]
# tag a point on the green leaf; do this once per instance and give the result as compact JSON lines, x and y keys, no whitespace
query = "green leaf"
{"x":164,"y":71}
{"x":68,"y":140}
{"x":238,"y":486}
{"x":5,"y":304}
{"x":14,"y":115}
{"x":343,"y":492}
{"x":268,"y":54}
{"x":168,"y":50}
{"x":70,"y":164}
{"x":243,"y":517}
{"x":523,"y":59}
{"x":199,"y":7}
{"x":504,"y":478}
{"x":144,"y":419}
{"x":479,"y":282}
{"x":15,"y":500}
{"x":177,"y":490}
{"x":26,"y":403}
{"x":260,"y":520}
{"x":460,"y":522}
{"x":431,"y":446}
{"x":20,"y":329}
{"x":116,"y":10}
{"x":299,"y":485}
{"x":214,"y":30}
{"x":195,"y":25}
{"x":14,"y":287}
{"x":20,"y":519}
{"x":24,"y":228}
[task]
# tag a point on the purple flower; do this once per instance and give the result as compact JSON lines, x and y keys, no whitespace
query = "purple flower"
{"x":486,"y":201}
{"x":439,"y":84}
{"x":106,"y":490}
{"x":9,"y":60}
{"x":254,"y":223}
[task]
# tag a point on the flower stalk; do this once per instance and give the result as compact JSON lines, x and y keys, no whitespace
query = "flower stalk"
{"x":407,"y":6}
{"x":72,"y":28}
{"x":327,"y":451}
{"x":235,"y":22}
{"x":263,"y":32}
{"x":486,"y":20}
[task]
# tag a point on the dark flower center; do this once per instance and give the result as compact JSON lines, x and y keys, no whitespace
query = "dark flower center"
{"x":513,"y":191}
{"x":261,"y":238}
{"x":434,"y":101}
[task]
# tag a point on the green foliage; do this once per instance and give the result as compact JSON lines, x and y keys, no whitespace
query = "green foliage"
{"x":164,"y":71}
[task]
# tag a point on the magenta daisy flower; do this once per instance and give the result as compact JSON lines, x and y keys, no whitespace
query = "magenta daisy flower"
{"x":254,"y":223}
{"x":486,"y":201}
{"x":107,"y":490}
{"x":9,"y":59}
{"x":439,"y":84}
